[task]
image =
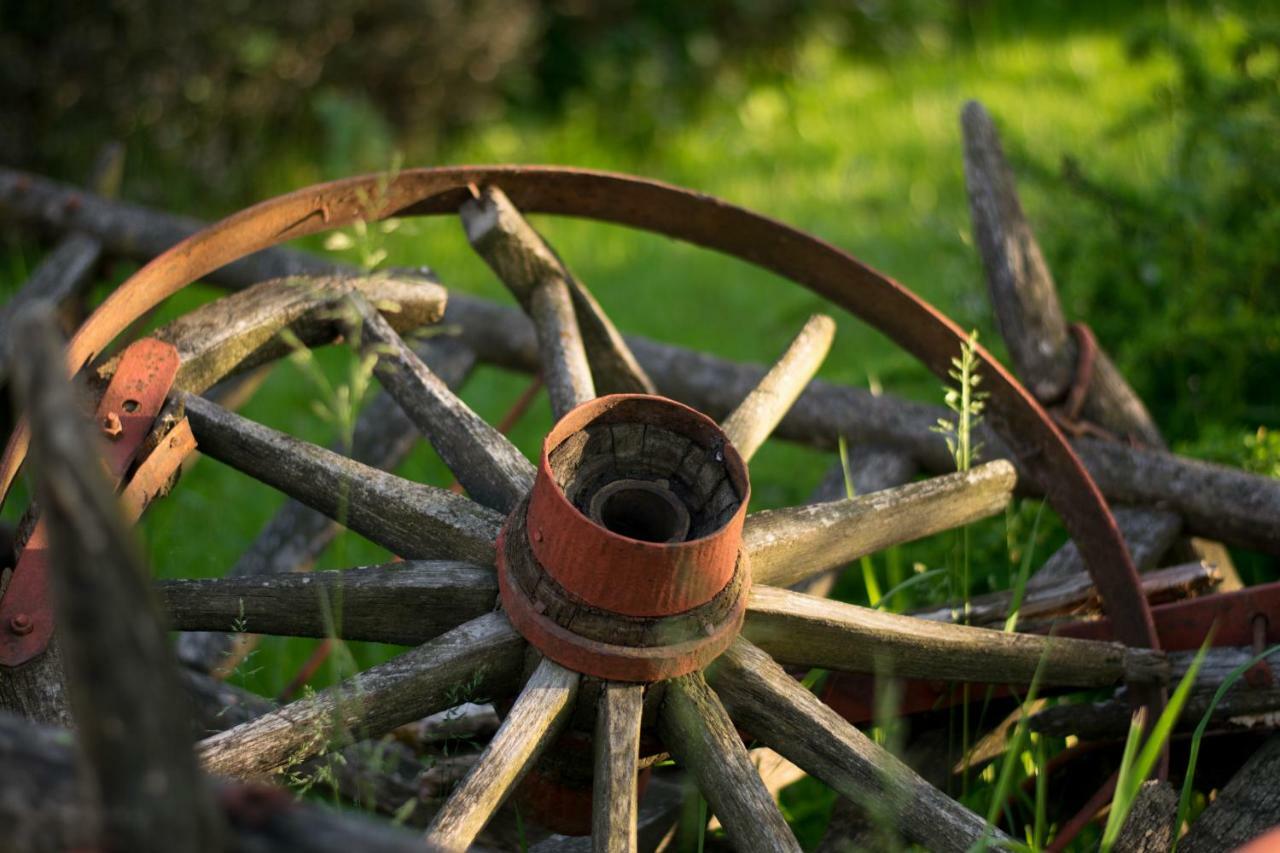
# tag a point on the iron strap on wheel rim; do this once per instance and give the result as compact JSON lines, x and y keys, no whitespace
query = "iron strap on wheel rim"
{"x":912,"y":323}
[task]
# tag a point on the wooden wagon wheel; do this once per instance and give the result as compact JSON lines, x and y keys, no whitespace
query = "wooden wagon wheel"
{"x":636,"y":593}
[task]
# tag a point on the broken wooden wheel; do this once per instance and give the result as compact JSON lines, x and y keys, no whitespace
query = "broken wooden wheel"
{"x":636,"y":606}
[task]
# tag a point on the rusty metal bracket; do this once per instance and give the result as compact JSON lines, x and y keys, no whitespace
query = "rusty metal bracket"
{"x":133,"y":399}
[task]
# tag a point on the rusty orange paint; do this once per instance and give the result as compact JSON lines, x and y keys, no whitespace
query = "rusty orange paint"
{"x":616,"y":573}
{"x":134,"y":396}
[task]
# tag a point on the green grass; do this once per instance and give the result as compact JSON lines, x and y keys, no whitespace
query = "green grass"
{"x":864,"y":153}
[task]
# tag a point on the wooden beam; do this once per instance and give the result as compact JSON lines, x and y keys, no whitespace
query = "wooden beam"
{"x":615,"y":810}
{"x":698,"y":731}
{"x":789,"y":545}
{"x":405,"y":603}
{"x":410,"y":519}
{"x":1244,"y":809}
{"x":800,"y":629}
{"x":533,"y":722}
{"x":759,"y":413}
{"x":121,"y":675}
{"x":488,"y":465}
{"x":774,"y":707}
{"x":485,"y":652}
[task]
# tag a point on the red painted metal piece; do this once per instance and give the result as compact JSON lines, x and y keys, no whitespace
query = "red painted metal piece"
{"x":915,"y":325}
{"x":618,"y":577}
{"x":133,"y":398}
{"x":616,"y":573}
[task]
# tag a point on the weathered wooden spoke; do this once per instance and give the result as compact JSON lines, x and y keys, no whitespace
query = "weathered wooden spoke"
{"x":534,"y":720}
{"x":119,"y":667}
{"x":800,"y":629}
{"x":617,"y":760}
{"x":700,"y":735}
{"x":243,"y":330}
{"x":486,"y":653}
{"x":487,"y":464}
{"x":790,"y":545}
{"x":572,"y":328}
{"x":774,"y":707}
{"x":405,"y":603}
{"x":763,"y":409}
{"x":411,"y":519}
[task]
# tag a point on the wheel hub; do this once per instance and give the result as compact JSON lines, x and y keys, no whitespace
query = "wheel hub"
{"x":625,"y":562}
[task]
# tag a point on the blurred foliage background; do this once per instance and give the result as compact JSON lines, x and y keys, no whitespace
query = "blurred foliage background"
{"x":1144,"y":135}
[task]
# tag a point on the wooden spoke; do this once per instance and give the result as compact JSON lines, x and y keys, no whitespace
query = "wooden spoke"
{"x":296,"y":535}
{"x":789,"y":545}
{"x":560,"y":349}
{"x":487,"y":464}
{"x":772,"y":706}
{"x":534,"y":721}
{"x":522,"y":259}
{"x":763,"y":409}
{"x":801,"y":629}
{"x":242,"y":331}
{"x":406,"y":603}
{"x":698,"y":731}
{"x":486,"y":653}
{"x":411,"y":519}
{"x":120,"y":671}
{"x":44,"y":806}
{"x":617,"y":760}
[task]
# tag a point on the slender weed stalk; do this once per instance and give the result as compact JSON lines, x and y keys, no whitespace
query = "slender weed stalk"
{"x":869,"y":579}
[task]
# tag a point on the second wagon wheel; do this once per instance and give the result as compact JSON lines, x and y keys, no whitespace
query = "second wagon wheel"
{"x":639,"y":602}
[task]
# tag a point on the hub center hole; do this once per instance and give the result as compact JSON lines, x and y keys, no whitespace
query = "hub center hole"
{"x":641,"y":510}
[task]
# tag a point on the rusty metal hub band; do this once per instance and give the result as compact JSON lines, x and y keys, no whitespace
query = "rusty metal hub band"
{"x":908,"y":320}
{"x":626,"y":562}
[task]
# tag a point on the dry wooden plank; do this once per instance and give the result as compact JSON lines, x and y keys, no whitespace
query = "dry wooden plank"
{"x":541,"y":710}
{"x":772,"y":706}
{"x":617,"y":762}
{"x":485,"y":654}
{"x":121,"y":676}
{"x":488,"y":465}
{"x":1245,"y":808}
{"x":789,"y":545}
{"x":297,"y":534}
{"x":412,"y":519}
{"x":45,"y":808}
{"x":1076,"y":594}
{"x":243,"y":330}
{"x":405,"y":603}
{"x":698,"y":731}
{"x":801,"y":629}
{"x":759,"y":413}
{"x":524,"y":261}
